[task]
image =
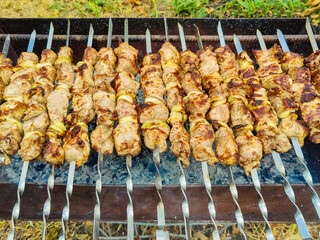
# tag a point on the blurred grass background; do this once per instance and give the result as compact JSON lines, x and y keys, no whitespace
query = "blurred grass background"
{"x":156,"y":8}
{"x":32,"y":230}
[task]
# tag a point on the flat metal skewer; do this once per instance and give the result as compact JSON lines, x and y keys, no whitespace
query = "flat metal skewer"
{"x":72,"y":168}
{"x":311,"y":36}
{"x":280,"y":167}
{"x":129,"y":182}
{"x":97,"y":213}
{"x":50,"y":185}
{"x":6,"y":46}
{"x":182,"y":178}
{"x":306,"y":173}
{"x":22,"y":181}
{"x":160,"y":233}
{"x":254,"y":173}
{"x":205,"y":171}
{"x":232,"y":185}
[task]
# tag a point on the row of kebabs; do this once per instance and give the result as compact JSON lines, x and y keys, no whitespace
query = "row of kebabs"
{"x":246,"y":112}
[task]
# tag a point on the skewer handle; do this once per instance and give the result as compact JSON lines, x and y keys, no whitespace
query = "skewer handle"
{"x":185,"y":205}
{"x":262,"y":203}
{"x":307,"y":175}
{"x":160,"y":233}
{"x":130,"y":205}
{"x":66,"y":209}
{"x":211,"y":207}
{"x":16,"y":208}
{"x":96,"y":220}
{"x":47,"y":204}
{"x":234,"y":193}
{"x":289,"y":191}
{"x":158,"y":185}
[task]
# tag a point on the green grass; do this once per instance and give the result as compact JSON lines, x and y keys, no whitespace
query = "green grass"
{"x":261,"y":8}
{"x":192,"y":8}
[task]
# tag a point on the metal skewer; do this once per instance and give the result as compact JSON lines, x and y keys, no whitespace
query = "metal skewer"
{"x":22,"y":181}
{"x":280,"y":167}
{"x":50,"y":185}
{"x":182,"y":178}
{"x":96,"y":220}
{"x":205,"y":172}
{"x":129,"y":182}
{"x":254,"y":173}
{"x":315,"y":48}
{"x":306,"y":173}
{"x":160,"y":233}
{"x":6,"y":46}
{"x":232,"y":185}
{"x":97,"y":214}
{"x":72,"y":167}
{"x":311,"y":36}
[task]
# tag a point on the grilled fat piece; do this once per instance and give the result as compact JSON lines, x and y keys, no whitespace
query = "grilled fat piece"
{"x":76,"y":143}
{"x":6,"y":70}
{"x":153,"y":113}
{"x":13,"y":110}
{"x":241,"y":120}
{"x":313,"y":63}
{"x":104,"y":101}
{"x":304,"y":92}
{"x":266,"y":120}
{"x":126,"y":135}
{"x":36,"y":120}
{"x":279,"y":89}
{"x":197,"y":104}
{"x":179,"y":137}
{"x":58,"y":105}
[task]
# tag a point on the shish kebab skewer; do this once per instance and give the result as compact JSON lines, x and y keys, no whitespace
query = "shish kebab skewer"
{"x":313,"y":61}
{"x":6,"y":69}
{"x":179,"y":137}
{"x":268,"y":74}
{"x":222,"y":54}
{"x":76,"y":143}
{"x":126,"y":135}
{"x":104,"y":103}
{"x":15,"y":94}
{"x":57,"y":104}
{"x":153,"y":115}
{"x":309,"y":100}
{"x":260,"y":108}
{"x":27,"y":73}
{"x":201,"y":132}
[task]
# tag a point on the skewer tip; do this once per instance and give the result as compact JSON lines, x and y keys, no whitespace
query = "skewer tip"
{"x":307,"y":22}
{"x":200,"y":45}
{"x":258,"y":32}
{"x":237,"y":43}
{"x":51,"y":26}
{"x":279,"y":31}
{"x":126,"y":30}
{"x":68,"y":33}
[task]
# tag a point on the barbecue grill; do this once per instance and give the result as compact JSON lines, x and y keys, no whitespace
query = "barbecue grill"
{"x":113,"y":196}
